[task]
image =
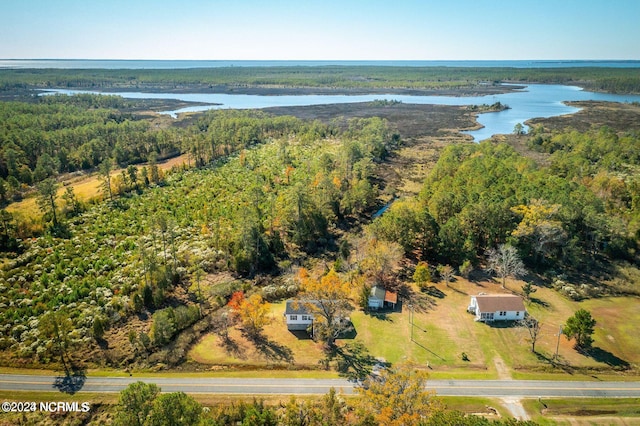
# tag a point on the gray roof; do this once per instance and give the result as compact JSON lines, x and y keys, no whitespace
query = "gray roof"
{"x":499,"y":302}
{"x":377,"y":292}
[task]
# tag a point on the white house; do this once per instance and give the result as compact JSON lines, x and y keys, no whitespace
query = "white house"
{"x":497,"y":307}
{"x":379,"y":297}
{"x":297,"y":316}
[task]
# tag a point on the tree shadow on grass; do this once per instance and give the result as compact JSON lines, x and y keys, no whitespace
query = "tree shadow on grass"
{"x":450,"y":287}
{"x":379,"y":315}
{"x":428,"y":350}
{"x":231,"y":347}
{"x":434,"y":291}
{"x":353,"y":360}
{"x":421,"y":302}
{"x":606,"y":357}
{"x":558,"y":362}
{"x":270,"y":350}
{"x":72,"y":381}
{"x":539,"y":302}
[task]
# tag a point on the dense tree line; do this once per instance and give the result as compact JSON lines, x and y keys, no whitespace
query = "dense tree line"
{"x":480,"y":196}
{"x":621,"y":80}
{"x":62,"y":134}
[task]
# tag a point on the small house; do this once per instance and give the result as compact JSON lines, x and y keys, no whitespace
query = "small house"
{"x":379,"y":298}
{"x":297,"y":316}
{"x":497,"y":307}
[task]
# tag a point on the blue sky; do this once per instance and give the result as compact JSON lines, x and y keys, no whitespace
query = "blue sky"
{"x":320,"y":30}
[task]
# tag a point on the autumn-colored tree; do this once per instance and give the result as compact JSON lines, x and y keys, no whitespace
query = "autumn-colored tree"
{"x":381,"y":259}
{"x":398,"y":396}
{"x":328,"y":299}
{"x":538,"y":229}
{"x":253,"y":313}
{"x":236,"y":300}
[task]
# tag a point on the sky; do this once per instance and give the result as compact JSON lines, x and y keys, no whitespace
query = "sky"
{"x":320,"y":30}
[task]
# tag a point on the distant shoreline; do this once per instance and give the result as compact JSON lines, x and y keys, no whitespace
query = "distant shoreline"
{"x":188,"y":64}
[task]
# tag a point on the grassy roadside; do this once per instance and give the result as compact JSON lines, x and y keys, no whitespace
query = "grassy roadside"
{"x":584,"y":411}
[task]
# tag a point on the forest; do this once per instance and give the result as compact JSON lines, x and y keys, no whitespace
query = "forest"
{"x":268,"y":191}
{"x":63,"y":134}
{"x":615,"y":80}
{"x":582,"y":209}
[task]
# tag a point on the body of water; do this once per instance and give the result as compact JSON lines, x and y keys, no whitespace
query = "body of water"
{"x":535,"y":101}
{"x":175,"y":64}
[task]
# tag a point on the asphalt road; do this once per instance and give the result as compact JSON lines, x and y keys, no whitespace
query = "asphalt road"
{"x":246,"y":386}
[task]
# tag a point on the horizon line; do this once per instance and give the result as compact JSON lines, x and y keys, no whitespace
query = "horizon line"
{"x":330,"y":60}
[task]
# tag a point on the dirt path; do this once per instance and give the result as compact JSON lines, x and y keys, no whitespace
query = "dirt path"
{"x":515,"y":408}
{"x":503,"y":371}
{"x":512,"y":404}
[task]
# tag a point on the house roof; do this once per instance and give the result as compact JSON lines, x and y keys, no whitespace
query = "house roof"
{"x":297,"y":307}
{"x":499,"y":302}
{"x":391,"y":297}
{"x":377,"y":292}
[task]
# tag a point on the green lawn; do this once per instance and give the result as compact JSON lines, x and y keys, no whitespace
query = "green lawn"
{"x":443,"y":330}
{"x":584,"y":411}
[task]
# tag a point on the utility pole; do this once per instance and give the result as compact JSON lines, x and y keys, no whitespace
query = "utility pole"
{"x":411,"y":319}
{"x":558,"y":344}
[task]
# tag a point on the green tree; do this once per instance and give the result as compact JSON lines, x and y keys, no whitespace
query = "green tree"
{"x":46,"y":199}
{"x":174,"y":409}
{"x":6,"y":219}
{"x":56,"y":327}
{"x":518,"y":129}
{"x":133,"y":175}
{"x":163,"y":326}
{"x":72,"y":205}
{"x":105,"y":169}
{"x":580,"y":327}
{"x":466,"y":268}
{"x":527,"y":290}
{"x":135,"y":404}
{"x":422,"y":276}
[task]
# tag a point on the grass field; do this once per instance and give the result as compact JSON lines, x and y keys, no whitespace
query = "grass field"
{"x":87,"y":187}
{"x":443,"y":330}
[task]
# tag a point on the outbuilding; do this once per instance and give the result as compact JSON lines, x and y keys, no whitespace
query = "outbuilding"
{"x":380,"y":298}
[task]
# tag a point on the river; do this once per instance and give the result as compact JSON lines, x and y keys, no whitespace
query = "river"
{"x":534,"y":101}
